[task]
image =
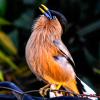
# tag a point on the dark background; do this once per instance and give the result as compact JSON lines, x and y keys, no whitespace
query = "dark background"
{"x":82,"y":39}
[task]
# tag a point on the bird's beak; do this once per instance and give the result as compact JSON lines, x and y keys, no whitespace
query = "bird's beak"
{"x":45,"y":11}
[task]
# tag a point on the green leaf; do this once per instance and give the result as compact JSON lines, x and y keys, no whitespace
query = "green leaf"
{"x":97,"y":71}
{"x":4,"y":22}
{"x":1,"y":76}
{"x":7,"y":43}
{"x":4,"y":58}
{"x":38,"y":2}
{"x":3,"y":5}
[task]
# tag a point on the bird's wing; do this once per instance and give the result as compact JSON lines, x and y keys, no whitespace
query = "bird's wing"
{"x":59,"y":44}
{"x":82,"y":87}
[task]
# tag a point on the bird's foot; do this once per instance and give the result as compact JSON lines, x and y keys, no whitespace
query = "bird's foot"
{"x":55,"y":90}
{"x":43,"y":91}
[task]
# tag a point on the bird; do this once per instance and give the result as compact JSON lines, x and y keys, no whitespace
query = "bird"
{"x":48,"y":57}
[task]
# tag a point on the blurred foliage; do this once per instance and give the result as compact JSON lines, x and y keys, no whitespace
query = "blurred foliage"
{"x":3,"y":6}
{"x":1,"y":76}
{"x":4,"y":22}
{"x":7,"y":44}
{"x":82,"y":38}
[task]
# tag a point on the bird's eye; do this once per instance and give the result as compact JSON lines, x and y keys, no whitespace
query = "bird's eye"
{"x":54,"y":17}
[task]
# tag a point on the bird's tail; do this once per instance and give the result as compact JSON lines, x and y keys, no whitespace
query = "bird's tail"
{"x":77,"y":87}
{"x":83,"y":88}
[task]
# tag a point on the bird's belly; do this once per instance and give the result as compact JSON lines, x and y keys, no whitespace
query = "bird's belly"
{"x":58,"y":72}
{"x":46,"y":67}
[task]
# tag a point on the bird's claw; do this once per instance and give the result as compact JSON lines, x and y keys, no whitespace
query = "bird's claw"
{"x":43,"y":91}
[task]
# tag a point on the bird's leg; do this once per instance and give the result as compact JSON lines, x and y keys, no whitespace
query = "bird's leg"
{"x":54,"y":92}
{"x":43,"y":91}
{"x":63,"y":93}
{"x":59,"y":86}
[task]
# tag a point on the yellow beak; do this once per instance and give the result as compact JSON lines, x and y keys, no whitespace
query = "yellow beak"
{"x":45,"y":9}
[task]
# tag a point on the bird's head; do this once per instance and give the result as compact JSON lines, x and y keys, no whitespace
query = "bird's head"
{"x":52,"y":15}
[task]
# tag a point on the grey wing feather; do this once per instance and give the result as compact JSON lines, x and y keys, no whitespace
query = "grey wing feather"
{"x":59,"y":44}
